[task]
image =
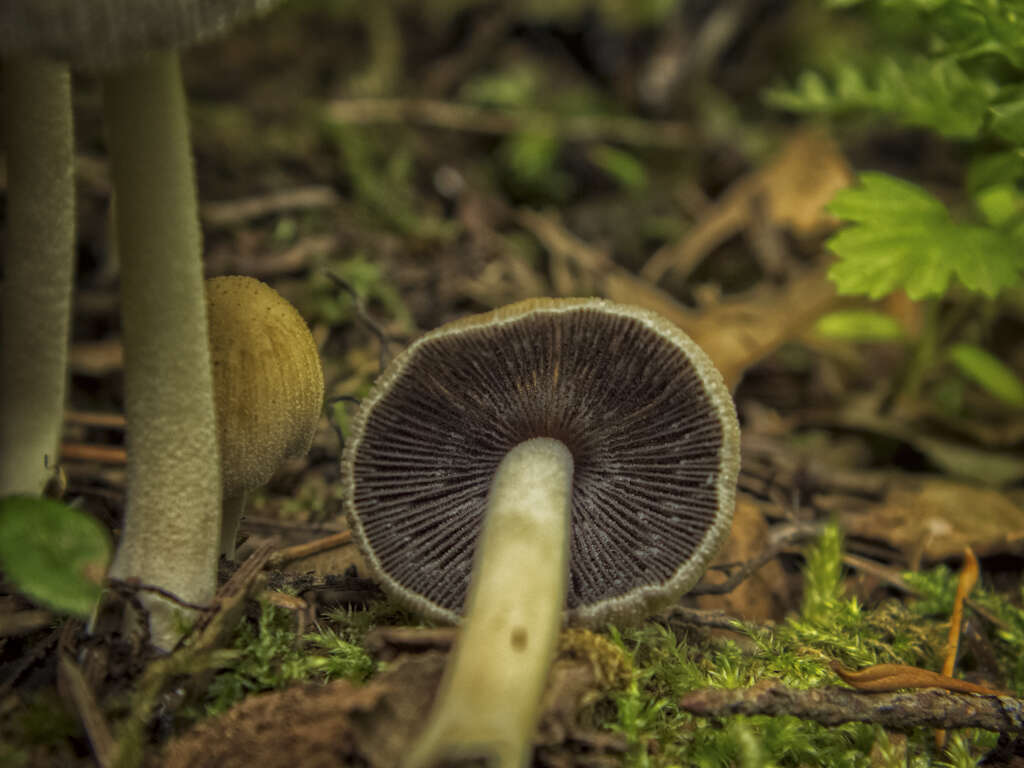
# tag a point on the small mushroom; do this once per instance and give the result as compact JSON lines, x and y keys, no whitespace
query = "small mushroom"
{"x":173,"y":503}
{"x":267,"y":384}
{"x":556,"y":458}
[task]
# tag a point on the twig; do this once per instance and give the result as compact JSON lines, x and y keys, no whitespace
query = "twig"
{"x":96,"y":727}
{"x":781,"y":537}
{"x":23,"y":622}
{"x":833,"y":705}
{"x":968,"y":578}
{"x":95,"y":419}
{"x":195,"y":656}
{"x":230,"y":212}
{"x":433,"y":113}
{"x":330,"y":417}
{"x":104,"y":454}
{"x":299,"y":551}
{"x":124,"y":587}
{"x":713,"y":619}
{"x":22,"y":665}
{"x":364,"y":316}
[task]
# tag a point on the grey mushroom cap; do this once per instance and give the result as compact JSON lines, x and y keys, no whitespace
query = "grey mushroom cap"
{"x":99,"y":35}
{"x":650,"y":424}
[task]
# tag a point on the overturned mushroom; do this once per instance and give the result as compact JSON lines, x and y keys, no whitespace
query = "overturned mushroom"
{"x":554,"y":455}
{"x":267,"y":385}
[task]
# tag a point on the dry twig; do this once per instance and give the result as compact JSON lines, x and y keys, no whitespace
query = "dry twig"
{"x":433,"y":113}
{"x":832,"y":705}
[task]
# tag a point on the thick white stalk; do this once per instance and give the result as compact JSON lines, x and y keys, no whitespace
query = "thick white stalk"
{"x":38,"y":270}
{"x":172,"y":522}
{"x":489,"y":700}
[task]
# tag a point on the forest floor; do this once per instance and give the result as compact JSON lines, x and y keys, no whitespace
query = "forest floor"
{"x":443,"y":163}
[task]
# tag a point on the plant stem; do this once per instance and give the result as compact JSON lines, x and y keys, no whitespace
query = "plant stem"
{"x":489,"y":700}
{"x":38,"y":270}
{"x":172,"y":523}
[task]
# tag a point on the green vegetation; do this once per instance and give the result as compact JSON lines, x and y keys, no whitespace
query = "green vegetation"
{"x":270,"y":655}
{"x":55,"y":554}
{"x":673,"y":660}
{"x":955,"y":68}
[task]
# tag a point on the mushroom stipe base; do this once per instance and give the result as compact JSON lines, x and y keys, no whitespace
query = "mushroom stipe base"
{"x":554,"y":459}
{"x":507,"y":644}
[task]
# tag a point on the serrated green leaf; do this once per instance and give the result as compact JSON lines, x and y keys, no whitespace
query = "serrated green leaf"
{"x":859,"y":325}
{"x":938,"y":94}
{"x":988,"y":372}
{"x":903,"y":237}
{"x":1008,"y":121}
{"x":54,"y":554}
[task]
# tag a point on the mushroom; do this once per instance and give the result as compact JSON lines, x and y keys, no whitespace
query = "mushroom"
{"x":553,"y":458}
{"x":267,"y":384}
{"x":35,"y":301}
{"x":172,"y":520}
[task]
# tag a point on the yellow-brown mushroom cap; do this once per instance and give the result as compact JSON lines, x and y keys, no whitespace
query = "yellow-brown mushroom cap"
{"x":268,"y":384}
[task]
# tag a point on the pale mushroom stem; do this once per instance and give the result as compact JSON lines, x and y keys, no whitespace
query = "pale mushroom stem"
{"x":489,"y":700}
{"x":231,"y":516}
{"x":36,"y":301}
{"x":172,"y":522}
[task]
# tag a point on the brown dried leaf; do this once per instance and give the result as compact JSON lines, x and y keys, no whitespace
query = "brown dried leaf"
{"x":792,"y":191}
{"x":934,"y":518}
{"x":884,"y":678}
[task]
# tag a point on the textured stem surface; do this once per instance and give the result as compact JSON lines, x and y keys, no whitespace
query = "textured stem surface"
{"x":231,"y":516}
{"x":172,"y":523}
{"x":489,"y":700}
{"x":38,"y":270}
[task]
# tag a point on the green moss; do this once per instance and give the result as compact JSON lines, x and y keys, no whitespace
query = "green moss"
{"x":671,"y":660}
{"x":270,"y":655}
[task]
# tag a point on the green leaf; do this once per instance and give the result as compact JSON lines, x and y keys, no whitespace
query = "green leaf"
{"x":53,"y":553}
{"x":930,"y":93}
{"x":988,"y":372}
{"x":1008,"y":121}
{"x":903,"y":237}
{"x":623,"y":166}
{"x":860,"y":325}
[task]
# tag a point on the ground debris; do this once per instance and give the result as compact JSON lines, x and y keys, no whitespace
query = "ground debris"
{"x":832,"y":705}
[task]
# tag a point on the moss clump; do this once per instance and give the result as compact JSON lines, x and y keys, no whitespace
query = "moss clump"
{"x":271,"y":655}
{"x":670,"y":660}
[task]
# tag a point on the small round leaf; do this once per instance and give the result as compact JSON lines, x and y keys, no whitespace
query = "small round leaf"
{"x":54,"y":554}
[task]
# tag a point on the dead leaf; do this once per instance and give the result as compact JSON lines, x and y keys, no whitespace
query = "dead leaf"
{"x":884,"y":678}
{"x":764,"y":596}
{"x":791,"y":192}
{"x":736,"y":333}
{"x":934,"y":518}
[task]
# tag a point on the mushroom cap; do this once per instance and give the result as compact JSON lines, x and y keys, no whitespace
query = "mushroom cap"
{"x":105,"y":34}
{"x":650,"y":424}
{"x":267,"y":382}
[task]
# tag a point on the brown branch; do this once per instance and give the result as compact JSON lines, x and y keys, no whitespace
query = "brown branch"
{"x":434,"y":113}
{"x":104,"y":747}
{"x":297,"y":552}
{"x":780,"y":539}
{"x":832,"y":705}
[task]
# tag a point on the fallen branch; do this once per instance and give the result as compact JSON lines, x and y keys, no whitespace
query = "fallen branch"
{"x":832,"y":705}
{"x":434,"y":113}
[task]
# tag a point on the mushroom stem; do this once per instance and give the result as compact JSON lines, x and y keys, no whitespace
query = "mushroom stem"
{"x":38,"y":270}
{"x":172,"y":522}
{"x":489,"y":700}
{"x":231,"y":516}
